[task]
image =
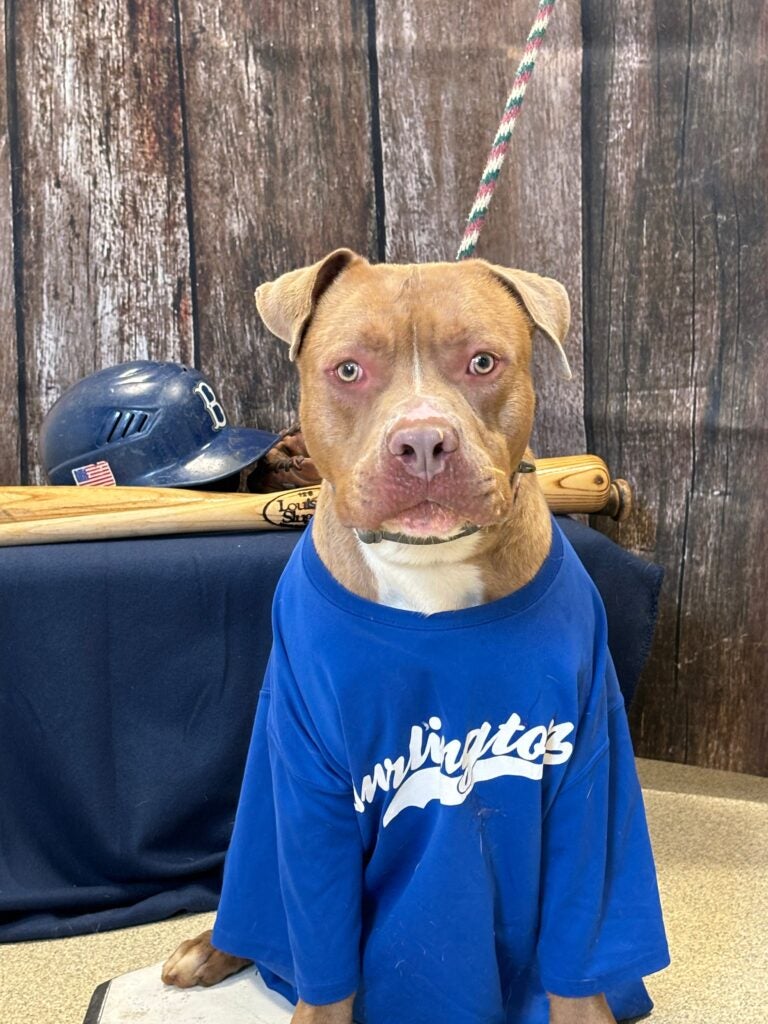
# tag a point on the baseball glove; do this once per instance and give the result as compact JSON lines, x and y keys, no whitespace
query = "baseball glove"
{"x":287,"y":464}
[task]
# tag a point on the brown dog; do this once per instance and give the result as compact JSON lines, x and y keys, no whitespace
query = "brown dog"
{"x":417,"y":407}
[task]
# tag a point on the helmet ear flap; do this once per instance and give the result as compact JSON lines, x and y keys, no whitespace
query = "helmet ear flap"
{"x":287,"y":304}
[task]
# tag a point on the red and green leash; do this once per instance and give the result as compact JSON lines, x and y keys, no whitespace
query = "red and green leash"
{"x":489,"y":180}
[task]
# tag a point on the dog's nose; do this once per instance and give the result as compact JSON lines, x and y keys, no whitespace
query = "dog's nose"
{"x":423,"y":450}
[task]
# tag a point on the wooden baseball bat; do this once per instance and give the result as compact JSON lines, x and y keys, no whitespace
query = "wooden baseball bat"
{"x":49,"y":515}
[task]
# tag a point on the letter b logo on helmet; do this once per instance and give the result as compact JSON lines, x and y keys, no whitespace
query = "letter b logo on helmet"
{"x":212,"y":404}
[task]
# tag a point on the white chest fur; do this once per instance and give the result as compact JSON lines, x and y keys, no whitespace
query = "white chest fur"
{"x":426,"y":578}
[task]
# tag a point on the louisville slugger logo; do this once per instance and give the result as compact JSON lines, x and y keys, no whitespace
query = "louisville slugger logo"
{"x":447,"y":770}
{"x":292,"y":508}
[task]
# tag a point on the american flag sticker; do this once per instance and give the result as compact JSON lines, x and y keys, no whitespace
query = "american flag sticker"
{"x":98,"y":474}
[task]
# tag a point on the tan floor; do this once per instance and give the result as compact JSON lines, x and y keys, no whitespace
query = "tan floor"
{"x":710,"y":834}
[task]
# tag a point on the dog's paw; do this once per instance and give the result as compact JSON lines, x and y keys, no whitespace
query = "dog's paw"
{"x":330,"y":1013}
{"x":197,"y":962}
{"x":586,"y":1010}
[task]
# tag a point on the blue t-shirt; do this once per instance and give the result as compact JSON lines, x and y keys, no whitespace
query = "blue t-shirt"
{"x":442,"y":812}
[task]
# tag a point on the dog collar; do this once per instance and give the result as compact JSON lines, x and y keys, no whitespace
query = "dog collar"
{"x":377,"y":536}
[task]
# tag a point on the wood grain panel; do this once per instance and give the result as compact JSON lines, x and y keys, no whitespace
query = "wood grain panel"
{"x":676,"y":256}
{"x":444,"y":82}
{"x":105,"y":242}
{"x":9,"y":403}
{"x":277,"y":95}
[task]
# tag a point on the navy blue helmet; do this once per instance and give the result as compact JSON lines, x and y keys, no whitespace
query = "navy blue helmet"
{"x":154,"y":424}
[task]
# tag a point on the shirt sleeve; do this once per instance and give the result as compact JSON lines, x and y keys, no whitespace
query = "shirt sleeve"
{"x":319,"y":844}
{"x":601,"y":923}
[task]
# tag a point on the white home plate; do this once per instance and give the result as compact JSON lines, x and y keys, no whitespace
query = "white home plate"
{"x":141,"y":998}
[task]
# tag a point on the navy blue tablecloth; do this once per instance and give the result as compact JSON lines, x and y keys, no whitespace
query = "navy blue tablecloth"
{"x":129,"y":673}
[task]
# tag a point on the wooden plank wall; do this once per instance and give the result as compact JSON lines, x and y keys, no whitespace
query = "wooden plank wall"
{"x":10,"y":467}
{"x":676,"y":253}
{"x":163,"y":157}
{"x":103,"y":235}
{"x":277,"y":101}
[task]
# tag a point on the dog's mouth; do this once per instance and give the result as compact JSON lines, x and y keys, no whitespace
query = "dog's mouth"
{"x":426,"y":519}
{"x":390,"y":502}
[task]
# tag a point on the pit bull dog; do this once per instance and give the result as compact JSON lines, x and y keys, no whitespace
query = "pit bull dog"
{"x":440,"y":821}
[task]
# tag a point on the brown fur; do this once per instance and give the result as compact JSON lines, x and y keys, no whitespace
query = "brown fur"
{"x":448,"y":311}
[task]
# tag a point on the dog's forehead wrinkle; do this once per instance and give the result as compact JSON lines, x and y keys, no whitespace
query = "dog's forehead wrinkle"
{"x":406,"y":283}
{"x":351,"y":327}
{"x":419,"y":304}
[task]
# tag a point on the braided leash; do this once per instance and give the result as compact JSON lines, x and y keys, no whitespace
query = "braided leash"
{"x":490,"y":177}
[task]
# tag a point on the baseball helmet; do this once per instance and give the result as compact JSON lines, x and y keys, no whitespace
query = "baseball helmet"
{"x":153,"y":424}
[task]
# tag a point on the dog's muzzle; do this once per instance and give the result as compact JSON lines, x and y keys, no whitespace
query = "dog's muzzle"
{"x":377,"y":536}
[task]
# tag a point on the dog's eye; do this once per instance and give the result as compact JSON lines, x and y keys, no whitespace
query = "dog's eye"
{"x":349,"y":371}
{"x":482,"y":363}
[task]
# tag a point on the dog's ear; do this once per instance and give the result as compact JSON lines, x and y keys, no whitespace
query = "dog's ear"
{"x":547,"y":304}
{"x":287,"y":304}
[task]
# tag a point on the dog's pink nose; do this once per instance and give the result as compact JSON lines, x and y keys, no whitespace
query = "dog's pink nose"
{"x":423,"y":450}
